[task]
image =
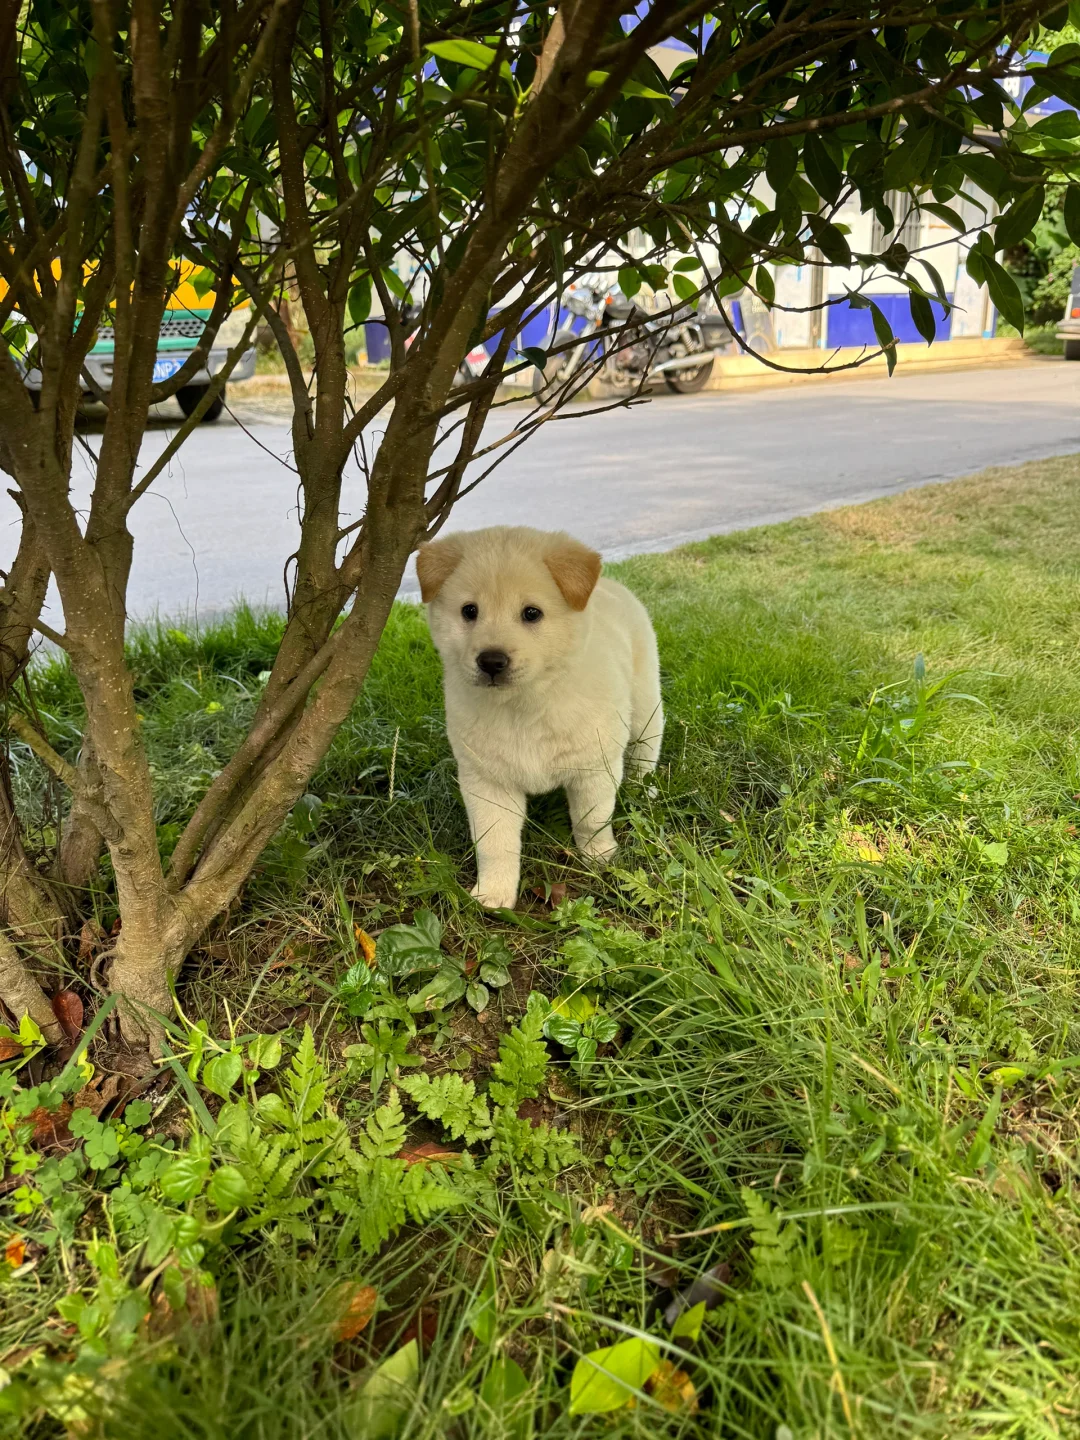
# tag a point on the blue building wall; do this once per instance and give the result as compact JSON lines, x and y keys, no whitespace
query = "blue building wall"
{"x":847,"y":326}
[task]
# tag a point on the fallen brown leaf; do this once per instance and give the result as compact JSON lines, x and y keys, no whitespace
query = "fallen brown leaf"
{"x":50,"y":1126}
{"x":673,"y":1389}
{"x":354,"y":1306}
{"x":9,"y":1048}
{"x":423,"y":1328}
{"x":101,"y":1091}
{"x":551,"y":895}
{"x":425,"y":1151}
{"x":68,"y":1009}
{"x":15,"y":1252}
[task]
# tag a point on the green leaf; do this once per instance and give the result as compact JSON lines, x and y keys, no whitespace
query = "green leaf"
{"x":222,"y":1072}
{"x":764,"y":285}
{"x":383,"y":1404}
{"x":493,"y":974}
{"x":102,"y":1148}
{"x":441,"y":990}
{"x":885,"y":337}
{"x":829,"y":241}
{"x":945,"y":212}
{"x":83,"y":1122}
{"x":1020,"y":219}
{"x":685,"y":288}
{"x":642,"y":92}
{"x":360,"y":300}
{"x":997,"y":852}
{"x":908,"y":161}
{"x":781,"y":163}
{"x":229,"y":1189}
{"x":1004,"y":292}
{"x":607,"y":1379}
{"x":922,"y":313}
{"x":603,"y":1029}
{"x":184,"y":1177}
{"x":562,"y":1030}
{"x":477,"y":995}
{"x":1062,"y":125}
{"x":821,"y":169}
{"x":535,"y":356}
{"x":689,"y":1323}
{"x":504,"y":1383}
{"x":137,"y":1113}
{"x":629,"y":281}
{"x":481,"y":1319}
{"x":405,"y":949}
{"x":463,"y":52}
{"x":265,"y":1052}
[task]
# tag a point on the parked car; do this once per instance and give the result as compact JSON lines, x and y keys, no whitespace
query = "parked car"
{"x":1069,"y":329}
{"x":186,"y":314}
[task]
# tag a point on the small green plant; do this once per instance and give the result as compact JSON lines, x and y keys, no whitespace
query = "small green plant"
{"x":774,"y":1242}
{"x":384,"y":1052}
{"x":581,"y":1037}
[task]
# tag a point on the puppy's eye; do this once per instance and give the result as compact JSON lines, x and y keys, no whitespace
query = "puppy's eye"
{"x":469,"y":612}
{"x":531,"y":614}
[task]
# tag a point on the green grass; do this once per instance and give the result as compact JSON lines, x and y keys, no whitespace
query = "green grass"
{"x":840,"y":945}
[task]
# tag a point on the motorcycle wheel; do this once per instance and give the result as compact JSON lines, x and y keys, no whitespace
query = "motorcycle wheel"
{"x":690,"y":380}
{"x":557,"y":370}
{"x":694,"y":377}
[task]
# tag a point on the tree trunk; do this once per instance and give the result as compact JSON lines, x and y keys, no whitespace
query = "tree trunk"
{"x":22,"y":994}
{"x":143,"y":973}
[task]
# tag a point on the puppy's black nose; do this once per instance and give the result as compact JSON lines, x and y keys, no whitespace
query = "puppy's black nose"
{"x":492,"y":662}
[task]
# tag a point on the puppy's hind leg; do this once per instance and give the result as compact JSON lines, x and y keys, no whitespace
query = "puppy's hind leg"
{"x":496,"y":816}
{"x":646,"y":722}
{"x":591,"y":795}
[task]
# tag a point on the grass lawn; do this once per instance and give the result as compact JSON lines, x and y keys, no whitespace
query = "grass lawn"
{"x":790,"y":1119}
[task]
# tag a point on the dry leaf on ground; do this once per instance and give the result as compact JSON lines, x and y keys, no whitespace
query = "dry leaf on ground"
{"x":354,"y":1306}
{"x":426,"y":1151}
{"x":15,"y":1252}
{"x":68,"y":1009}
{"x":673,"y":1389}
{"x":366,"y":943}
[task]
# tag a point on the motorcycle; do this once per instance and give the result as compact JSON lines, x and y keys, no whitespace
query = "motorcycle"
{"x":631,"y":346}
{"x":474,"y":363}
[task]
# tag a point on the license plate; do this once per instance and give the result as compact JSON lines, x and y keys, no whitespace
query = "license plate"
{"x":165,"y":369}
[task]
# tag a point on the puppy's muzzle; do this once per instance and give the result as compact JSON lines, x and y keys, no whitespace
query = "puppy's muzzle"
{"x":493,"y":666}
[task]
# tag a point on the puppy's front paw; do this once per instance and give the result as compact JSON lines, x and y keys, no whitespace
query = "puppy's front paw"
{"x":495,"y":897}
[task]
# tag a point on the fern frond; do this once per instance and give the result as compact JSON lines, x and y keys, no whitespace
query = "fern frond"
{"x":451,"y":1101}
{"x":523,"y":1061}
{"x":537,"y":1148}
{"x":384,"y":1133}
{"x":305,"y":1079}
{"x":381,"y":1197}
{"x":774,"y":1242}
{"x":425,"y":1196}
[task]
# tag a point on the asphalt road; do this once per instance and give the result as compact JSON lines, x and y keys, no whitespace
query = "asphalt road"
{"x":221,"y":522}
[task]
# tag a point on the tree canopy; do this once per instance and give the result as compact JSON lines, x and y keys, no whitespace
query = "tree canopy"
{"x":500,"y":150}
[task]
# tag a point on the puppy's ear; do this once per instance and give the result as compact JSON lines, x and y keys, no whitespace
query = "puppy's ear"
{"x":435,"y":563}
{"x":575,"y":569}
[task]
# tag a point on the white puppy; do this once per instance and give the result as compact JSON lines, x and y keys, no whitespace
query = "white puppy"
{"x":551,"y":678}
